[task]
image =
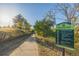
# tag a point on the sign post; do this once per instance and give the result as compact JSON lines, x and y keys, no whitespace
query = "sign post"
{"x":63,"y":51}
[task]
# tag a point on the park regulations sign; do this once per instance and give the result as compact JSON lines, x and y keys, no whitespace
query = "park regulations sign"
{"x":65,"y":35}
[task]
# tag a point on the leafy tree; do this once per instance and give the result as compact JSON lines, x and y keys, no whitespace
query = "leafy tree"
{"x":43,"y":27}
{"x":21,"y":23}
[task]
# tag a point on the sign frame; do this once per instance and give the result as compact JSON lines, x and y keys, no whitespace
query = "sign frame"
{"x":63,"y":27}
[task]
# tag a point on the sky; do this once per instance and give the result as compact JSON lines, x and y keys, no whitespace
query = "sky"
{"x":31,"y":12}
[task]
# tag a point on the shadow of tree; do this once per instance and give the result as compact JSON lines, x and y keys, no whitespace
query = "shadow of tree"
{"x":7,"y":47}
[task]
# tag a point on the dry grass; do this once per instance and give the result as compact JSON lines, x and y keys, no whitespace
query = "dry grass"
{"x":53,"y":51}
{"x":8,"y":33}
{"x":44,"y":51}
{"x":47,"y":50}
{"x":7,"y":29}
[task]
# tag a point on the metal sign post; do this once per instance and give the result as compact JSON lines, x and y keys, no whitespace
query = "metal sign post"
{"x":63,"y":51}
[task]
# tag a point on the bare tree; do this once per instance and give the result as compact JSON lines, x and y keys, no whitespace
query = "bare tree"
{"x":69,"y":11}
{"x":51,"y":16}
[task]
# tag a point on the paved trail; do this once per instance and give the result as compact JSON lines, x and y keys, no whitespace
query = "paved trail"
{"x":29,"y":47}
{"x":20,"y":47}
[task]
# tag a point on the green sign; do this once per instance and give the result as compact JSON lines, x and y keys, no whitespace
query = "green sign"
{"x":65,"y":36}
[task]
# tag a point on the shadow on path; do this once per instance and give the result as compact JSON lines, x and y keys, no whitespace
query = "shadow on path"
{"x":7,"y":47}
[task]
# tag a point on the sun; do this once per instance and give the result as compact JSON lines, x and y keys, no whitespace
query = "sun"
{"x":6,"y":19}
{"x":6,"y":15}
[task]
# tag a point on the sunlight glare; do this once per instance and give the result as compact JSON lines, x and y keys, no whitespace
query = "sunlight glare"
{"x":6,"y":16}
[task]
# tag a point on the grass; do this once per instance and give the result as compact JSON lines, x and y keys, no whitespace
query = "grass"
{"x":48,"y":48}
{"x":53,"y":50}
{"x":45,"y":51}
{"x":7,"y":29}
{"x":9,"y":33}
{"x":46,"y":39}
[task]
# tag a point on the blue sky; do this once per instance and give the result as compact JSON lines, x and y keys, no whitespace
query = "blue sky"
{"x":34,"y":12}
{"x":31,"y":12}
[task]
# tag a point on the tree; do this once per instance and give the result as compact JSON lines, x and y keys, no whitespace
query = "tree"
{"x":21,"y":23}
{"x":51,"y":17}
{"x":43,"y":27}
{"x":70,"y":12}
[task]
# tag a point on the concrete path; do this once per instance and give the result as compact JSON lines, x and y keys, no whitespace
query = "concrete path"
{"x":28,"y":48}
{"x":23,"y":46}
